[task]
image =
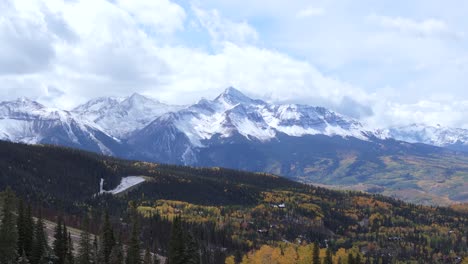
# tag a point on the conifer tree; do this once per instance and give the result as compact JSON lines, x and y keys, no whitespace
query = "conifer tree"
{"x":117,"y":253}
{"x":20,"y":223}
{"x":8,"y":230}
{"x":28,"y":229}
{"x":84,"y":255}
{"x":59,"y":246}
{"x":133,"y":252}
{"x":107,"y":239}
{"x":40,"y":246}
{"x":191,"y":252}
{"x":316,"y":254}
{"x":176,"y":243}
{"x":328,"y":257}
{"x":65,"y":241}
{"x":69,"y":257}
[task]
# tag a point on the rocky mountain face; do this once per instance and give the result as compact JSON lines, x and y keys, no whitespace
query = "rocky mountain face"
{"x":27,"y":121}
{"x":233,"y":117}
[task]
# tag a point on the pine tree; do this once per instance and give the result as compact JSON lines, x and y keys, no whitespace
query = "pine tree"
{"x":85,"y":248}
{"x":59,"y":246}
{"x":107,"y":239}
{"x":328,"y":258}
{"x":8,"y":230}
{"x":40,"y":247}
{"x":20,"y":223}
{"x":176,"y":243}
{"x":70,"y":258}
{"x":316,"y":254}
{"x":147,"y":259}
{"x":133,"y":252}
{"x":191,"y":252}
{"x":117,"y":254}
{"x":65,"y":242}
{"x":28,"y":232}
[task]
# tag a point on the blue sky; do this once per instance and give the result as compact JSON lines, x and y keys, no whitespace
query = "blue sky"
{"x":385,"y":62}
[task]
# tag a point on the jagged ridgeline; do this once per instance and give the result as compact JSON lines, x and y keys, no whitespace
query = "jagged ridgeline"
{"x":230,"y":213}
{"x":305,"y":143}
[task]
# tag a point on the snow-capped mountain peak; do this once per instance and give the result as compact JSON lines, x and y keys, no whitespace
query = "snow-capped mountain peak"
{"x":433,"y":135}
{"x":143,"y":127}
{"x":122,"y":116}
{"x":24,"y":120}
{"x":137,"y":99}
{"x":231,"y":96}
{"x":97,"y":105}
{"x":233,"y":113}
{"x":22,"y":104}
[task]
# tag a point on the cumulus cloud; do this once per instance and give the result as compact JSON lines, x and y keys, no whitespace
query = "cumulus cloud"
{"x":260,"y":73}
{"x":450,"y":114}
{"x":26,"y":43}
{"x":65,"y":52}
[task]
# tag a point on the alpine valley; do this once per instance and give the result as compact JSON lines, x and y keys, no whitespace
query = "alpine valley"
{"x":417,"y":163}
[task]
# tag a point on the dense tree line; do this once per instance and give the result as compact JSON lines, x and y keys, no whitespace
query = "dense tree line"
{"x":24,"y":239}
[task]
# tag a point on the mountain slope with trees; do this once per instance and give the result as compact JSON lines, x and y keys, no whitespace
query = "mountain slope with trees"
{"x":216,"y":214}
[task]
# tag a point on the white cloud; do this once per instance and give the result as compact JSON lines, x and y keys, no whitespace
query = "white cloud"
{"x":161,"y":15}
{"x":450,"y":114}
{"x":426,"y":28}
{"x":64,"y":52}
{"x":115,"y":56}
{"x":310,"y":12}
{"x":26,"y":42}
{"x":261,"y":73}
{"x":222,"y":29}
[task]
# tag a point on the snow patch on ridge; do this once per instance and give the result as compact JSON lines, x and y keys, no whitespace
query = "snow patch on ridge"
{"x":432,"y":135}
{"x":125,"y":184}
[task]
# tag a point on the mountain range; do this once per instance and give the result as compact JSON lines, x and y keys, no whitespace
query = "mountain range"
{"x":309,"y":144}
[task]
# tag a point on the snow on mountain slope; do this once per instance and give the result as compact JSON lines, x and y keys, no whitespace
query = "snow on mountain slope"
{"x":431,"y":135}
{"x":95,"y":108}
{"x":27,"y":121}
{"x":121,"y":116}
{"x":234,"y":113}
{"x":125,"y":184}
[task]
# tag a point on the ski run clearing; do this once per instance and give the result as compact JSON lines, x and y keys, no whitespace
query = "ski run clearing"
{"x":125,"y":184}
